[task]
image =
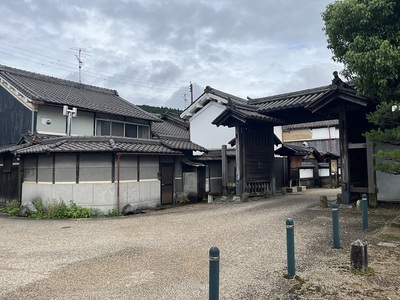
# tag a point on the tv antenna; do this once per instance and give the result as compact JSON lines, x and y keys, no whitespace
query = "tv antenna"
{"x":78,"y":57}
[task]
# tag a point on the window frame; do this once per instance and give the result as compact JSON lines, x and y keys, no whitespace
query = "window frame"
{"x":138,"y":128}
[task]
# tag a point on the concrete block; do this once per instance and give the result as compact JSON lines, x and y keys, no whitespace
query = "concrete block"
{"x":291,"y":190}
{"x":301,"y":188}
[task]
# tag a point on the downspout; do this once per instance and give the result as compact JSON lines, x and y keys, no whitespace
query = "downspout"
{"x":118,"y":176}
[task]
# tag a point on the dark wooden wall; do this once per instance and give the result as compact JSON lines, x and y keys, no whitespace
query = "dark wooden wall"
{"x":15,"y":118}
{"x":9,"y":186}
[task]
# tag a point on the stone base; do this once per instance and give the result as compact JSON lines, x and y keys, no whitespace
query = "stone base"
{"x":301,"y":188}
{"x":291,"y":190}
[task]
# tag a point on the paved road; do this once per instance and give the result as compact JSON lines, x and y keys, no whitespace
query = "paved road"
{"x":162,"y":254}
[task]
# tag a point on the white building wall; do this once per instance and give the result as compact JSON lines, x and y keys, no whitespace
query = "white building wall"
{"x":325,"y":133}
{"x":50,"y":120}
{"x":204,"y":133}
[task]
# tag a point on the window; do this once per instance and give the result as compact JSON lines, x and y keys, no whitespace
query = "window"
{"x":116,"y":128}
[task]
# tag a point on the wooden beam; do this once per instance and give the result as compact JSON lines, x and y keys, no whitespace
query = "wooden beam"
{"x":372,"y":190}
{"x":357,"y":145}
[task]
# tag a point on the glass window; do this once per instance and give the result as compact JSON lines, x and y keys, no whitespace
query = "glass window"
{"x":131,"y":130}
{"x":143,"y":132}
{"x":117,"y":129}
{"x":103,"y":128}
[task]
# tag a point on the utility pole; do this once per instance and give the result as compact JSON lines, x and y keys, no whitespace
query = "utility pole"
{"x":191,"y":93}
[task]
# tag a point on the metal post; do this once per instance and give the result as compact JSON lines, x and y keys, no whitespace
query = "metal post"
{"x":365,"y":211}
{"x":335,"y":226}
{"x":290,"y":247}
{"x":214,"y":274}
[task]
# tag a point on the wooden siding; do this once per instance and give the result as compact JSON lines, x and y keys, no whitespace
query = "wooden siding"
{"x":8,"y":180}
{"x":258,"y":158}
{"x":15,"y":119}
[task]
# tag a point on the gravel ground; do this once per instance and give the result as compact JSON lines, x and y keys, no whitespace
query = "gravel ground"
{"x":164,"y":254}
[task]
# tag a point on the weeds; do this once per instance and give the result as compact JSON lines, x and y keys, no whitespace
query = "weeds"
{"x":59,"y":210}
{"x":11,"y":208}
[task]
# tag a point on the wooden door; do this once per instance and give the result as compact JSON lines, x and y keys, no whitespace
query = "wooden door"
{"x":167,"y":184}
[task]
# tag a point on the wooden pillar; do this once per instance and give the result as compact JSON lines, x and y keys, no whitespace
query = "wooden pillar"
{"x":372,"y":192}
{"x":239,"y":161}
{"x":224,"y":170}
{"x":344,"y":156}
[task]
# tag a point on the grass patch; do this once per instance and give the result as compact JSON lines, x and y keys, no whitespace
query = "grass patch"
{"x":368,"y":272}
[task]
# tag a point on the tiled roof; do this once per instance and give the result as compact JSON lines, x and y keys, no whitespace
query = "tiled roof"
{"x":63,"y":92}
{"x":181,"y":144}
{"x":224,"y":95}
{"x":10,"y":148}
{"x":242,"y":113}
{"x":319,"y":124}
{"x":97,"y":144}
{"x":169,"y":129}
{"x":213,"y":155}
{"x":210,"y":95}
{"x":293,"y":150}
{"x":290,"y":100}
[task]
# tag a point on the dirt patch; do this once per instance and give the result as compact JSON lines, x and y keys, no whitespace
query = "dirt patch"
{"x":333,"y":278}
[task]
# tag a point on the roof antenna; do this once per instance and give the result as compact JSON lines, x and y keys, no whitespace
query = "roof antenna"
{"x":78,"y":57}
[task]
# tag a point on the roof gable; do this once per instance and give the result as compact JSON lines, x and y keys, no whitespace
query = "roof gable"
{"x":56,"y":91}
{"x":210,"y":95}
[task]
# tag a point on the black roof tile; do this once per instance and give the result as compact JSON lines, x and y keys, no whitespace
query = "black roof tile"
{"x":64,"y":92}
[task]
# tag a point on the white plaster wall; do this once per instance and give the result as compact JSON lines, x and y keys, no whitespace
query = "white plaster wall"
{"x":306,"y":173}
{"x":204,"y":133}
{"x":99,"y":196}
{"x":83,"y":124}
{"x":323,"y":172}
{"x":325,"y":133}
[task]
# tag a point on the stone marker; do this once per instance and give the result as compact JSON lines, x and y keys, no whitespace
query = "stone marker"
{"x":323,"y":201}
{"x":359,"y":256}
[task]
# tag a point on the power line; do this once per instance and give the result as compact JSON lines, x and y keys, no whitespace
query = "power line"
{"x":96,"y":74}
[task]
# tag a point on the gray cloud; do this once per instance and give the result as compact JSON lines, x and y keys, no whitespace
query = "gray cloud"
{"x":149,"y":49}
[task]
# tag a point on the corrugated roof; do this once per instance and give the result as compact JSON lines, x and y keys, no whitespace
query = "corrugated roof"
{"x":63,"y":92}
{"x":97,"y":144}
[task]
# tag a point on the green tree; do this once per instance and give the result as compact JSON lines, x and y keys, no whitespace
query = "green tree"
{"x":364,"y":35}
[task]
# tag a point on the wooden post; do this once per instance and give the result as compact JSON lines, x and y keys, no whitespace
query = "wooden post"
{"x":224,"y":170}
{"x":344,"y":156}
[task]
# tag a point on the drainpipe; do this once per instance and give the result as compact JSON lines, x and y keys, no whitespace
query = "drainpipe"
{"x":118,"y":176}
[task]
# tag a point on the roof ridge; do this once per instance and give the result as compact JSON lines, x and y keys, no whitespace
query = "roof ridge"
{"x":293,"y":94}
{"x":54,"y":79}
{"x":211,"y":90}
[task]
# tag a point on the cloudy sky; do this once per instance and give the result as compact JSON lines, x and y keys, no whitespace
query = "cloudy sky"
{"x":150,"y":50}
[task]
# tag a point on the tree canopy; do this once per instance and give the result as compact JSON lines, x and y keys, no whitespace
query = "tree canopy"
{"x":364,"y":35}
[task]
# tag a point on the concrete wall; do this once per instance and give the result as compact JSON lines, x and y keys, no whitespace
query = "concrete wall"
{"x":96,"y":188}
{"x":387,"y":184}
{"x":100,"y":196}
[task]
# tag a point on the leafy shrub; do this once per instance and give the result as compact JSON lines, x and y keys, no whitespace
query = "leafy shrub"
{"x":58,"y":211}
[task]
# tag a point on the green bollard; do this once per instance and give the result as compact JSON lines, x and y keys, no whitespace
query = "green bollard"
{"x":290,"y":247}
{"x":364,"y":202}
{"x":335,"y":226}
{"x":214,"y":274}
